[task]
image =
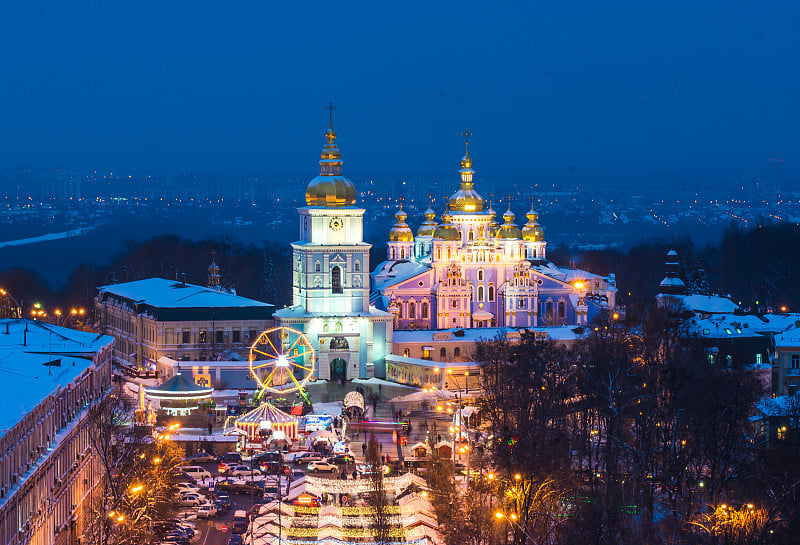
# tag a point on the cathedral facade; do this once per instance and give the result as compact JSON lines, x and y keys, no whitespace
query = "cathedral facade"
{"x":330,"y":278}
{"x":469,"y":271}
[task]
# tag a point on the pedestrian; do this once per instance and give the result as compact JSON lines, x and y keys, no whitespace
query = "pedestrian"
{"x":355,"y":474}
{"x":364,"y":449}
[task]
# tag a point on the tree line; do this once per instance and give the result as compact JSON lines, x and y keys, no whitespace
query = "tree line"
{"x":628,"y":436}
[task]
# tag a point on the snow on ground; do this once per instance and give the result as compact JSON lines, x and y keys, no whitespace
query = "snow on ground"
{"x":380,"y":382}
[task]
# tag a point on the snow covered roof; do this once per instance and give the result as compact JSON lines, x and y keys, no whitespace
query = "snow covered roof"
{"x":389,"y":273}
{"x":35,"y":364}
{"x":790,"y":338}
{"x":715,"y":327}
{"x":709,"y":304}
{"x":297,"y":311}
{"x":178,"y":387}
{"x":159,"y":295}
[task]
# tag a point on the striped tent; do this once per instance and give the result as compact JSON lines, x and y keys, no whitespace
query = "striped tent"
{"x":276,"y":418}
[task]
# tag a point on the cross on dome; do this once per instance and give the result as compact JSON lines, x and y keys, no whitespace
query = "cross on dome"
{"x":330,"y":107}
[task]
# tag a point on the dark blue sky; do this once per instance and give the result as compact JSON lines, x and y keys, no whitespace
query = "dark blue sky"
{"x":241,"y":86}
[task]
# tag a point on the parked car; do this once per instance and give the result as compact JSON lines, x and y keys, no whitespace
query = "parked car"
{"x":309,"y":457}
{"x":199,"y":473}
{"x":222,"y":495}
{"x":235,"y":539}
{"x":242,"y":471}
{"x":187,"y":487}
{"x":190,"y":500}
{"x":272,"y":468}
{"x":200,"y":458}
{"x":322,"y":466}
{"x":341,"y":459}
{"x":175,"y":537}
{"x":207,"y":511}
{"x":183,"y":477}
{"x":230,"y":457}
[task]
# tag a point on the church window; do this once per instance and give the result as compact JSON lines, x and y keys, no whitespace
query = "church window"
{"x":480,"y":275}
{"x":456,"y":351}
{"x":406,"y":352}
{"x":795,"y":361}
{"x":491,"y":292}
{"x":338,"y":327}
{"x":336,"y":280}
{"x":449,"y":253}
{"x":357,"y":266}
{"x":443,"y":353}
{"x":438,"y":253}
{"x":548,"y":309}
{"x":412,"y":311}
{"x":480,"y":292}
{"x":520,"y":303}
{"x":424,"y":310}
{"x":402,"y":253}
{"x":203,"y":337}
{"x":317,"y":267}
{"x":400,"y":309}
{"x":562,"y":309}
{"x":534,"y":253}
{"x":454,"y":303}
{"x":325,"y":328}
{"x":471,"y":235}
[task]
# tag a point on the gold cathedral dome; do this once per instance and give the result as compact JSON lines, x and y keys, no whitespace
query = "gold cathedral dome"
{"x":447,"y":231}
{"x":330,"y":189}
{"x":532,"y":231}
{"x":400,"y":231}
{"x":466,"y":199}
{"x":428,"y":227}
{"x":509,"y":230}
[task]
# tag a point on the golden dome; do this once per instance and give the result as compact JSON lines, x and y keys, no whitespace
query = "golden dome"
{"x":509,"y":230}
{"x":447,"y":231}
{"x":466,"y":199}
{"x":428,"y":227}
{"x":330,"y":189}
{"x":532,"y":231}
{"x":400,"y":231}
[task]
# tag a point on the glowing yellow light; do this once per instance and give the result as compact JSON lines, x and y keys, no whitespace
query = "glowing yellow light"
{"x":111,"y":514}
{"x":449,"y":371}
{"x":466,"y":373}
{"x":120,"y":518}
{"x":424,"y":494}
{"x":137,"y":488}
{"x":615,"y":316}
{"x":157,"y":460}
{"x":435,"y":369}
{"x":438,"y":407}
{"x":517,"y":476}
{"x":499,"y":515}
{"x":579,"y":285}
{"x":513,"y":516}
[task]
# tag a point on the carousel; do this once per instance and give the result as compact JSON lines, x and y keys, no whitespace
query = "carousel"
{"x":178,"y":396}
{"x":268,"y":423}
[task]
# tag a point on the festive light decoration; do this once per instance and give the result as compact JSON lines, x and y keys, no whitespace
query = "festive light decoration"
{"x":277,"y":355}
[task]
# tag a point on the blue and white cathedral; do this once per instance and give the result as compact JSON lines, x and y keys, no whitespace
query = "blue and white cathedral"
{"x":330,"y":278}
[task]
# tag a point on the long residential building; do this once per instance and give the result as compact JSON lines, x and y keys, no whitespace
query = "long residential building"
{"x":156,"y":317}
{"x":50,"y":377}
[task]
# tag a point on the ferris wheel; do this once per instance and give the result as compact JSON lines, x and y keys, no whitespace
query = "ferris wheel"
{"x":282,"y":360}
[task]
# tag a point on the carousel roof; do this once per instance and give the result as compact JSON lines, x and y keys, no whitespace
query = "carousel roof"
{"x":267,"y":412}
{"x":178,"y":387}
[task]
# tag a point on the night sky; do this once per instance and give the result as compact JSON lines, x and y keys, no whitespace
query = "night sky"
{"x":240,"y":87}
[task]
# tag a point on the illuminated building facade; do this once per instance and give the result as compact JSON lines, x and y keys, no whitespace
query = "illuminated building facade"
{"x":471,"y":272}
{"x":48,"y":468}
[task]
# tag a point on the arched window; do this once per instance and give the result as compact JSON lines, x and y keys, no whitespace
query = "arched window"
{"x":457,"y":351}
{"x":454,"y":303}
{"x":534,"y":253}
{"x":338,"y":327}
{"x":449,"y":252}
{"x":491,"y":292}
{"x":406,"y":352}
{"x":424,"y":310}
{"x":443,"y":353}
{"x":336,"y":280}
{"x":471,"y":235}
{"x":325,"y":328}
{"x":402,"y":253}
{"x":412,"y":311}
{"x":438,"y":253}
{"x":480,"y":275}
{"x":317,"y":267}
{"x":480,"y":292}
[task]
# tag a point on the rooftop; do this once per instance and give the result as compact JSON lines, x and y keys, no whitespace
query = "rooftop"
{"x":163,"y":293}
{"x":35,"y":364}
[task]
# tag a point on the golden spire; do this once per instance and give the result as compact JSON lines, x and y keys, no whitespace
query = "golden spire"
{"x":466,"y":161}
